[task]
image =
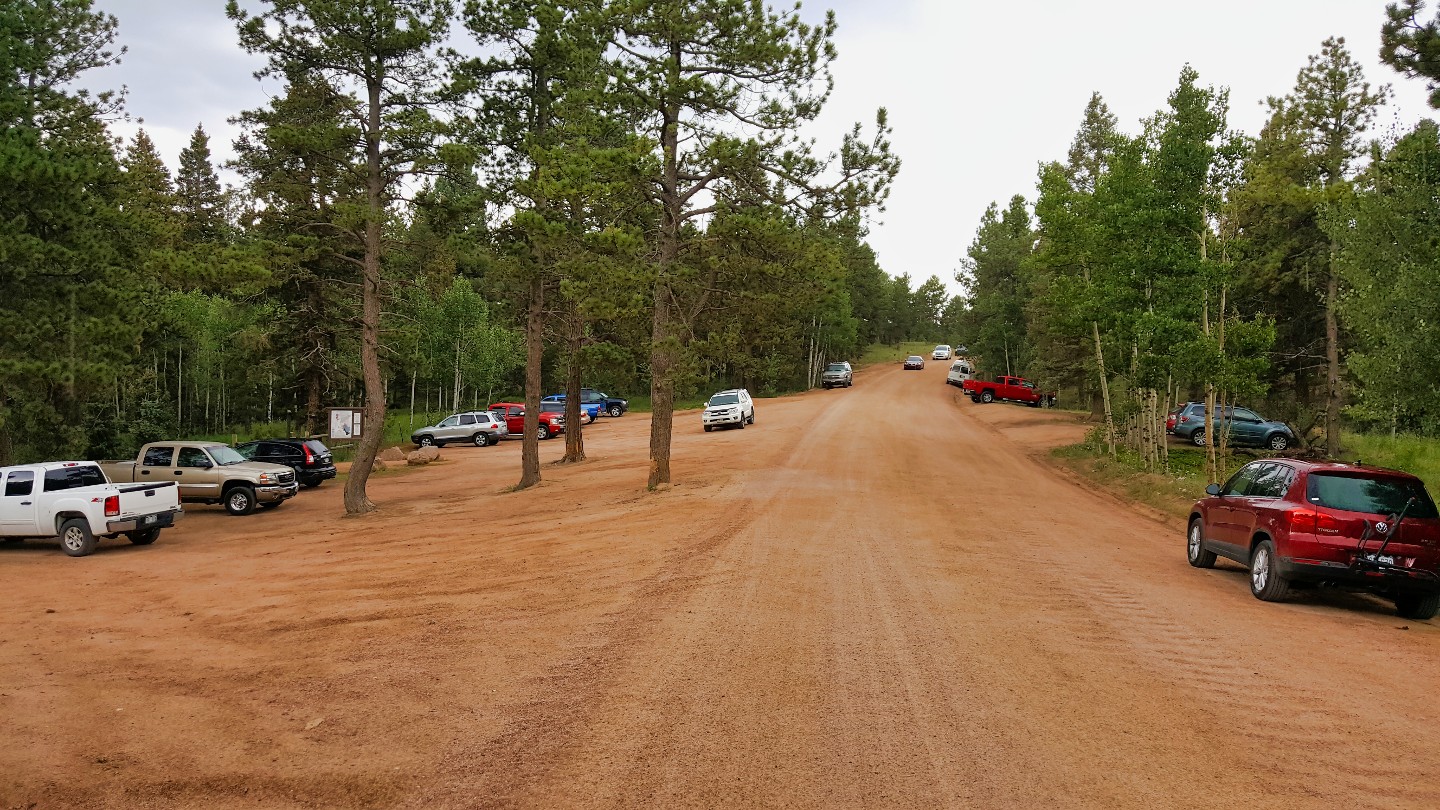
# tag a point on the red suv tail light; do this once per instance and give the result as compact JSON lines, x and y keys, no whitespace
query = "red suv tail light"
{"x":112,"y":506}
{"x":309,"y":456}
{"x":1309,"y":521}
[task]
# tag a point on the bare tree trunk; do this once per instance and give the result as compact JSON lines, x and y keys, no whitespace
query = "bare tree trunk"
{"x":1332,"y":360}
{"x":665,"y":347}
{"x":414,"y":378}
{"x":372,"y":432}
{"x":312,"y":400}
{"x":1104,"y":387}
{"x":534,"y":353}
{"x":574,"y":434}
{"x":180,"y":388}
{"x":455,"y":391}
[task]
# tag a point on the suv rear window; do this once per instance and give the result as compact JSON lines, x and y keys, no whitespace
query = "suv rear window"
{"x":85,"y":475}
{"x":317,"y":446}
{"x":1375,"y":496}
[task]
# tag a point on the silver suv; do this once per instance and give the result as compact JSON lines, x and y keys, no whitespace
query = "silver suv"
{"x":477,"y":427}
{"x":837,"y":374}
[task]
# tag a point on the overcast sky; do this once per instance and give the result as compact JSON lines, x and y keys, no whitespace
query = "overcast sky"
{"x":979,"y":93}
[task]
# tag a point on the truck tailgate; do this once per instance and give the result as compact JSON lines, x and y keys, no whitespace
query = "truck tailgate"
{"x":147,"y":499}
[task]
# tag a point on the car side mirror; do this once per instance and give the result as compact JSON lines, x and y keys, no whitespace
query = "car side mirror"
{"x":1213,"y":489}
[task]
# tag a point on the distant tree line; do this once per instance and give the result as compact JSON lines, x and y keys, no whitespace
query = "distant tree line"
{"x":1296,"y":271}
{"x":615,"y":194}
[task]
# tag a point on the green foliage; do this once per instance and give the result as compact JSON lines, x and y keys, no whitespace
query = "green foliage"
{"x":998,"y":289}
{"x":70,"y":297}
{"x":1389,"y":257}
{"x":1412,"y":45}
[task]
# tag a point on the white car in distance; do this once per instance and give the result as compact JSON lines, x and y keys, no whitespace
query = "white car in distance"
{"x":942,"y":352}
{"x":732,"y":407}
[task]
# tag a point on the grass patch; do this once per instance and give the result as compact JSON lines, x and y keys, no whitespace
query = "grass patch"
{"x":641,"y":403}
{"x":1416,"y":455}
{"x":1171,"y":493}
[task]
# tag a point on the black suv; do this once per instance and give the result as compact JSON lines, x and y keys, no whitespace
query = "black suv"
{"x":309,"y":458}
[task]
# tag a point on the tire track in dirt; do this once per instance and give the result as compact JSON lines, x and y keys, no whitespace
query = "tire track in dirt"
{"x":544,"y":731}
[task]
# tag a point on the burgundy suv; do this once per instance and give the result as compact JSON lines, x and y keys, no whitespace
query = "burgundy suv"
{"x":1305,"y":523}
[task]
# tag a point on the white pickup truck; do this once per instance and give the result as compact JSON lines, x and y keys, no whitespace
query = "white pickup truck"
{"x":73,"y":500}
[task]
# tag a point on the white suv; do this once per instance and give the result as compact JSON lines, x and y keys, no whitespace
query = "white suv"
{"x":733,"y":407}
{"x":942,"y":352}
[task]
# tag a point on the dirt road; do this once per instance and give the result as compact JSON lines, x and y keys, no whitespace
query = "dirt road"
{"x":874,"y":597}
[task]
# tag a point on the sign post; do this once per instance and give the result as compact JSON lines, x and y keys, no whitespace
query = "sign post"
{"x":346,"y":424}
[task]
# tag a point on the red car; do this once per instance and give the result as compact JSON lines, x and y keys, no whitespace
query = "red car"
{"x":551,"y":424}
{"x":1299,"y":523}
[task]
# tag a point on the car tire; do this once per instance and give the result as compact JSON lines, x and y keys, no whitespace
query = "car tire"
{"x":1197,"y":438}
{"x":1420,"y":606}
{"x":76,"y":539}
{"x":480,"y":439}
{"x":543,"y":432}
{"x":974,"y":398}
{"x":1266,"y":584}
{"x":987,"y":397}
{"x":144,"y":537}
{"x":1195,"y":550}
{"x":752,"y":416}
{"x":589,"y":417}
{"x":427,"y":441}
{"x":240,"y":500}
{"x":615,"y":411}
{"x":741,"y":423}
{"x":709,"y":428}
{"x":1277,"y":442}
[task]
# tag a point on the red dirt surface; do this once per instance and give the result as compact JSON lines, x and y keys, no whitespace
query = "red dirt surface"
{"x":872,"y":597}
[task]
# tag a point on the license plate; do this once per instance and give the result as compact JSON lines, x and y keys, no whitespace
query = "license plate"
{"x":1383,"y":559}
{"x":150,"y":519}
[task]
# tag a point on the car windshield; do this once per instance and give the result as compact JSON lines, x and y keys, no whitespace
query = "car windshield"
{"x":835,"y":367}
{"x":225,"y":456}
{"x":724,"y":399}
{"x":942,"y":348}
{"x":1375,"y":496}
{"x":913,"y":357}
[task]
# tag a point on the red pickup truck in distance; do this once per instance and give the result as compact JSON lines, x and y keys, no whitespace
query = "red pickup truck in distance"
{"x":1010,"y":389}
{"x":551,"y":424}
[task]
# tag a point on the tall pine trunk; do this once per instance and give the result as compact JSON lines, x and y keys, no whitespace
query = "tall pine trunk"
{"x":1332,"y":359}
{"x":534,"y":353}
{"x":372,"y":432}
{"x":664,"y":341}
{"x":574,"y":434}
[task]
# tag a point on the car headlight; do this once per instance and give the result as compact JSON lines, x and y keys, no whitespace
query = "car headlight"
{"x":267,"y":478}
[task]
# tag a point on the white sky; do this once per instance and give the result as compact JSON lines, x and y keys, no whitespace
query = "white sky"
{"x":979,"y":93}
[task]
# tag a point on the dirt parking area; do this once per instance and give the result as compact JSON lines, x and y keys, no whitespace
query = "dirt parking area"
{"x":877,"y":596}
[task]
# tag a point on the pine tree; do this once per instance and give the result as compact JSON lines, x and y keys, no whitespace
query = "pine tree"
{"x":69,"y":294}
{"x":1412,"y":46}
{"x":388,"y":51}
{"x":723,"y":87}
{"x":200,"y":200}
